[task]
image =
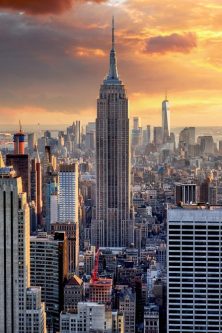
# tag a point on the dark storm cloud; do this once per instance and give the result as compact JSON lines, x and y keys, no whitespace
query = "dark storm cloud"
{"x":171,"y":43}
{"x":39,"y":67}
{"x":36,"y":7}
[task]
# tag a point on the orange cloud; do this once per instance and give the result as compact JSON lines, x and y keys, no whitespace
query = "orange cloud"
{"x":85,"y":52}
{"x":171,"y":43}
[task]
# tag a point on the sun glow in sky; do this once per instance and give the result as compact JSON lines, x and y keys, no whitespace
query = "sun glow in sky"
{"x":55,"y":55}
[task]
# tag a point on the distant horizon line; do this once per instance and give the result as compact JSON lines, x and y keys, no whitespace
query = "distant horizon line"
{"x":83,"y":123}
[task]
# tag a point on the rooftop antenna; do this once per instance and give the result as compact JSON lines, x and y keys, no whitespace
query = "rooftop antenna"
{"x":166,"y":93}
{"x":113,"y":33}
{"x":20,"y":126}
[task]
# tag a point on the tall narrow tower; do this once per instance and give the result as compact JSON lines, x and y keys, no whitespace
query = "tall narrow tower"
{"x":36,"y":186}
{"x":112,"y":224}
{"x":165,"y":120}
{"x":19,"y":141}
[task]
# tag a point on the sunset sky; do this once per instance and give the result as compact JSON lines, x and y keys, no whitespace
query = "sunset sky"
{"x":54,"y":55}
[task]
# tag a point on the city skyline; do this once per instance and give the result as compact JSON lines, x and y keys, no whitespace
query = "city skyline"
{"x":54,"y":53}
{"x":113,"y":222}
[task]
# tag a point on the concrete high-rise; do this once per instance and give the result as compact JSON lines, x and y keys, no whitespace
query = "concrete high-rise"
{"x":68,"y":193}
{"x":136,"y":123}
{"x":35,"y":311}
{"x":78,"y":134}
{"x":113,"y":226}
{"x":127,"y":306}
{"x":206,"y":144}
{"x":73,"y":293}
{"x":157,"y":136}
{"x":185,"y":193}
{"x":21,"y":164}
{"x":147,"y":135}
{"x":51,"y":205}
{"x":68,"y":211}
{"x":91,"y":317}
{"x":32,"y":142}
{"x":36,"y":186}
{"x":49,"y":270}
{"x":165,"y":120}
{"x":137,"y":131}
{"x":72,"y":231}
{"x":187,"y":137}
{"x":194,"y":280}
{"x":14,"y":253}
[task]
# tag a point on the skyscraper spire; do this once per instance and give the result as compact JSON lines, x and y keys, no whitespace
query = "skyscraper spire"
{"x":113,"y":34}
{"x":112,"y":77}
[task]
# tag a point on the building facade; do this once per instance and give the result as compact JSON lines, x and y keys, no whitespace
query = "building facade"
{"x":36,"y":187}
{"x":72,"y":232}
{"x":21,"y":164}
{"x":186,"y":193}
{"x":112,"y":224}
{"x":68,"y":193}
{"x":91,"y":317}
{"x":35,"y":311}
{"x":14,"y":255}
{"x":73,"y":294}
{"x":194,"y":280}
{"x":49,"y":269}
{"x":151,"y":319}
{"x":127,"y":306}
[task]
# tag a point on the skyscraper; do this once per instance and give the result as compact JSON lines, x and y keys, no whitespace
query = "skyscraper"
{"x":14,"y":253}
{"x":72,"y":231}
{"x":194,"y":279}
{"x":187,"y":138}
{"x":136,"y":123}
{"x":21,"y":164}
{"x":68,"y":193}
{"x":112,"y":222}
{"x":78,"y":134}
{"x":137,"y":132}
{"x":49,"y":269}
{"x":36,"y":186}
{"x":147,"y":135}
{"x":32,"y":142}
{"x":157,"y":136}
{"x":68,"y":211}
{"x":165,"y":120}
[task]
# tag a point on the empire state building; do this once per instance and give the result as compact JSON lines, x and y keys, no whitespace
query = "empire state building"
{"x":113,"y":226}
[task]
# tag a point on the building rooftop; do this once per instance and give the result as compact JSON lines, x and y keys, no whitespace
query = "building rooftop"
{"x":102,"y":282}
{"x":195,"y":213}
{"x":198,"y":206}
{"x":74,"y":281}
